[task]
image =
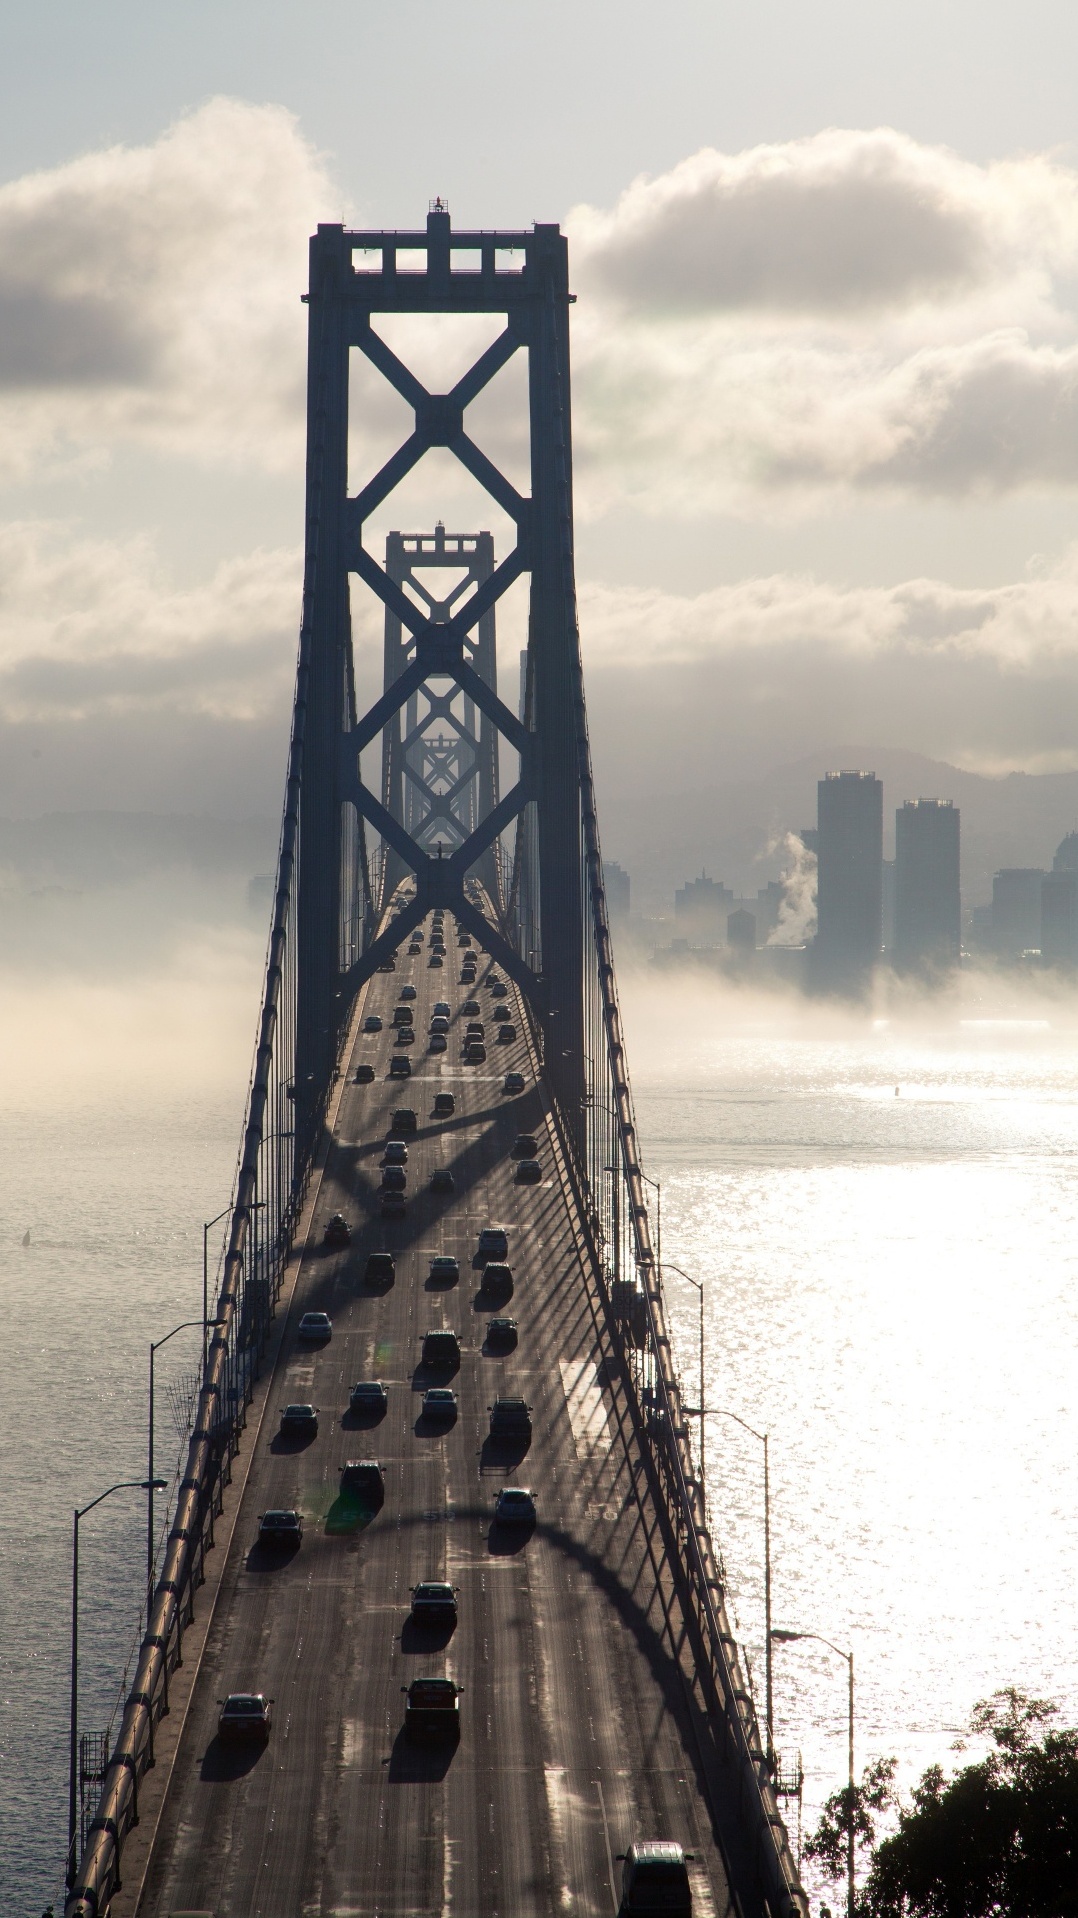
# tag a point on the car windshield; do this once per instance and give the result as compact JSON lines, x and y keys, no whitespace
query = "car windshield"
{"x":244,"y":1705}
{"x":299,"y":1411}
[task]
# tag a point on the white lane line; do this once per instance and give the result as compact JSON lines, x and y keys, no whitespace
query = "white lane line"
{"x":586,"y":1406}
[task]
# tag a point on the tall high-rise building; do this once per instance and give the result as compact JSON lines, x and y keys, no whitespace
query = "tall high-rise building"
{"x":1059,"y":916}
{"x":928,"y":911}
{"x":700,"y":909}
{"x":849,"y":899}
{"x":1016,"y":911}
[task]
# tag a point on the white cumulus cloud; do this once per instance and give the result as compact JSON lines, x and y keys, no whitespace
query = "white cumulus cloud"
{"x":151,"y":294}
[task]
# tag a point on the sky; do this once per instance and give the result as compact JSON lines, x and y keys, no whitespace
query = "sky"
{"x":825,"y":369}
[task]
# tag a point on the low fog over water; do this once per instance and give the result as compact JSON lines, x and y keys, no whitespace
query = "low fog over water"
{"x":880,"y":1202}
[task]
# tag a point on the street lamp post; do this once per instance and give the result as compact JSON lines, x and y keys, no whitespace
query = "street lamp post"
{"x":699,"y":1284}
{"x":206,"y":1230}
{"x":718,"y":1411}
{"x":155,"y":1346}
{"x":788,"y":1638}
{"x":140,"y":1484}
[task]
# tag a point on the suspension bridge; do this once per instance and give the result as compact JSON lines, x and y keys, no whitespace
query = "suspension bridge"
{"x":440,"y":979}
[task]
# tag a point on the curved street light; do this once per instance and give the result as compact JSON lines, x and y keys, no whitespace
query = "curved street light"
{"x":789,"y":1638}
{"x":150,"y":1485}
{"x":150,"y":1482}
{"x":694,"y":1409}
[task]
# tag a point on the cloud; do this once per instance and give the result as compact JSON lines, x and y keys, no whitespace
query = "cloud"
{"x":759,"y":332}
{"x":840,"y":222}
{"x":686,"y":691}
{"x":150,"y":294}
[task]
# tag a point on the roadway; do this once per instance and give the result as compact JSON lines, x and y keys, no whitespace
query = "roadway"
{"x":574,"y":1728}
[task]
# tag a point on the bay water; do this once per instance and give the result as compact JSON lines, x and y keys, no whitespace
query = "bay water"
{"x":880,"y":1204}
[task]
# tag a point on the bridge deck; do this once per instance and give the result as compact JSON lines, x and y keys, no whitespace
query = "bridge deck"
{"x":574,"y":1726}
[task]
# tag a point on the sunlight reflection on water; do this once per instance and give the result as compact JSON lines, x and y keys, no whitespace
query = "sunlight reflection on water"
{"x":890,"y":1294}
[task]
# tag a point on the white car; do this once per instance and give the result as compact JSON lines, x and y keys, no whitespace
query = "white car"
{"x":515,"y":1505}
{"x":315,"y":1325}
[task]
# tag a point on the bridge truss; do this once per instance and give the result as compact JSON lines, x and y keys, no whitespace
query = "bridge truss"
{"x":360,"y":864}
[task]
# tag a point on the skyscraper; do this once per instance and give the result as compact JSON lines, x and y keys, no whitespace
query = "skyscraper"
{"x":928,"y":913}
{"x":1016,"y":910}
{"x":849,"y":902}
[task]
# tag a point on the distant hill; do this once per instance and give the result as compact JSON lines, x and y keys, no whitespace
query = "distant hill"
{"x":664,"y":838}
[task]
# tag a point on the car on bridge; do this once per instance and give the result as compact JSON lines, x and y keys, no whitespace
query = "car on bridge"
{"x":405,"y":1036}
{"x":444,"y":1269}
{"x":368,"y":1395}
{"x":414,"y":948}
{"x":498,"y":987}
{"x":363,"y":1480}
{"x":439,"y":1404}
{"x":514,"y":1082}
{"x":393,"y":1205}
{"x":437,"y":1042}
{"x":444,"y":1105}
{"x":432,"y":1710}
{"x":502,"y":1012}
{"x":439,"y":1023}
{"x":506,"y":1035}
{"x":436,"y":962}
{"x":380,"y":1268}
{"x":408,"y":992}
{"x":400,"y":1066}
{"x":338,"y":1231}
{"x":525,"y":1146}
{"x":388,"y":965}
{"x":510,"y":1419}
{"x":497,"y":1279}
{"x":493,"y":1243}
{"x":372,"y":1023}
{"x":280,"y":1530}
{"x":245,"y":1718}
{"x":394,"y":1178}
{"x":364,"y":1073}
{"x":403,"y":1016}
{"x":514,"y":1505}
{"x":529,"y":1172}
{"x":442,"y":1180}
{"x":299,"y":1421}
{"x":315,"y":1326}
{"x":467,"y":975}
{"x":404,"y":1120}
{"x":501,"y":1334}
{"x":654,"y":1880}
{"x":475,"y":1053}
{"x":470,"y":1006}
{"x":440,"y":1349}
{"x":394,"y":1152}
{"x":434,"y":1603}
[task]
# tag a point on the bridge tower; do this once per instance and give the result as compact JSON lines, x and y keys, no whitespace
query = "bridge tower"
{"x":440,"y":785}
{"x":354,"y":278}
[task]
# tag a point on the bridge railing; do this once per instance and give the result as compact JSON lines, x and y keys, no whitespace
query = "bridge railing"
{"x":603,"y":1153}
{"x":272,"y":1170}
{"x":613,"y":1202}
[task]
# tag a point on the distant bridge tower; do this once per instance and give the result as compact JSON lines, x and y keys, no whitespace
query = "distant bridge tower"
{"x":354,"y":277}
{"x":440,"y":773}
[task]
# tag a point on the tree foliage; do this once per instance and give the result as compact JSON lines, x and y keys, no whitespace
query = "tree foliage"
{"x":828,"y":1844}
{"x":997,"y":1840}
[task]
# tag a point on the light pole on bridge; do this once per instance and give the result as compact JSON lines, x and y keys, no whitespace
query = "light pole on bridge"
{"x":699,"y":1284}
{"x":720,"y":1412}
{"x":789,"y":1638}
{"x":150,"y":1485}
{"x":206,"y":1230}
{"x":150,"y":1482}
